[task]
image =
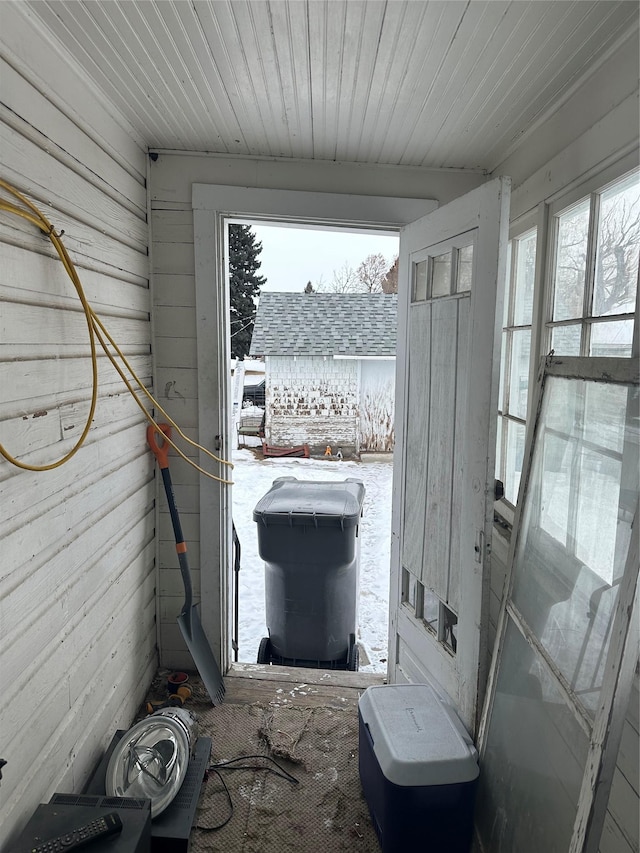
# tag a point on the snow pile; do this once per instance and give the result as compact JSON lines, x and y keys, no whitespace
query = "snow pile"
{"x":252,"y":478}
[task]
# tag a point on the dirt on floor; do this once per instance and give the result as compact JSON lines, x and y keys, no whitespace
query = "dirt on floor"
{"x":293,"y":783}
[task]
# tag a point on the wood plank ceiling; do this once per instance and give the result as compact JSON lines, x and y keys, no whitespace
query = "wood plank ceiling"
{"x":436,"y":84}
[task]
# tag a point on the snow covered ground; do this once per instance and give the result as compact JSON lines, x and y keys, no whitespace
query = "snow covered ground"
{"x":252,"y":478}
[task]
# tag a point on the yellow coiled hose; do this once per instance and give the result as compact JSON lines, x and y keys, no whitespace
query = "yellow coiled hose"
{"x":97,"y":332}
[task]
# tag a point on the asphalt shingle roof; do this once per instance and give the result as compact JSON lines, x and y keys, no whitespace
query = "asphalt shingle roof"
{"x":350,"y":324}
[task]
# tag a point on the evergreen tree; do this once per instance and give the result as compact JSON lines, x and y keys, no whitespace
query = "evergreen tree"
{"x":245,"y":285}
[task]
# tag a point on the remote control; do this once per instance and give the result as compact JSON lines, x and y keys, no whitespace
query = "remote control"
{"x":109,"y":824}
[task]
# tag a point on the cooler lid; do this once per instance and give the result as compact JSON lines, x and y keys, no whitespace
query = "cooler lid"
{"x":307,"y":502}
{"x":417,"y":738}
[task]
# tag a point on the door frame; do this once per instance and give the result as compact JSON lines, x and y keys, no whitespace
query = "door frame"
{"x":214,"y":205}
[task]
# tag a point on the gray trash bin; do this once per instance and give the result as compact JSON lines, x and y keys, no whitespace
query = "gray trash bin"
{"x":308,"y":538}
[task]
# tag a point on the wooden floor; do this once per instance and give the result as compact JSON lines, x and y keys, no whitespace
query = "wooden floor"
{"x":251,"y":682}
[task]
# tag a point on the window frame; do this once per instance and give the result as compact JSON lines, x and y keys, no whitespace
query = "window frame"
{"x":521,"y":229}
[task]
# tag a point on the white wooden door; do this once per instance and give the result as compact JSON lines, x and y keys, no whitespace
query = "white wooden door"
{"x":452,"y":267}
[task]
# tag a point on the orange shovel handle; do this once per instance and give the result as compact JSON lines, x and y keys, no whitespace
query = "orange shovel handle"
{"x":160,"y":451}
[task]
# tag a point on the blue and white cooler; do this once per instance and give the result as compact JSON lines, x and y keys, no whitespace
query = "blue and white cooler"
{"x":418,"y":769}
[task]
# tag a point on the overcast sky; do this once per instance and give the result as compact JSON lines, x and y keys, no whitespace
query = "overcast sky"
{"x":291,"y":257}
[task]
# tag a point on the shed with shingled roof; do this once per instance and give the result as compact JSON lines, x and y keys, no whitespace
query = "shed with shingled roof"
{"x":329,"y":369}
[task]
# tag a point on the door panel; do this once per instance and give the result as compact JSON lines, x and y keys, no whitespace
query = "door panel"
{"x":416,"y":439}
{"x":440,"y":464}
{"x":451,"y":262}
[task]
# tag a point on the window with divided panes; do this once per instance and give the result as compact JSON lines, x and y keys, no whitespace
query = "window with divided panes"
{"x":591,"y":292}
{"x":596,"y":245}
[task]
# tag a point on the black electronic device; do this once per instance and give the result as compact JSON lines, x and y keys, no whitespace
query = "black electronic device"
{"x":64,"y":814}
{"x":80,"y":836}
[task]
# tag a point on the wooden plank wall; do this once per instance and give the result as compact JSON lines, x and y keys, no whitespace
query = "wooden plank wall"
{"x":77,"y":580}
{"x":177,"y":383}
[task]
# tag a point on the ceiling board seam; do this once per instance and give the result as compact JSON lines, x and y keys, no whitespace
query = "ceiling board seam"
{"x":224,"y":51}
{"x":214,"y":101}
{"x":145,"y":51}
{"x":426,"y":98}
{"x":190,"y":93}
{"x":113,"y":73}
{"x":260,"y":77}
{"x":408,"y":62}
{"x":373,"y":68}
{"x":475,"y":34}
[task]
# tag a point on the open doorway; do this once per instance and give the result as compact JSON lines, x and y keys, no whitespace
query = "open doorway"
{"x":213,"y":206}
{"x":312,"y":261}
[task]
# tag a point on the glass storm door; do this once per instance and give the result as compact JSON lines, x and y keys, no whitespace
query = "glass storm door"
{"x":452,"y":267}
{"x":567,"y":637}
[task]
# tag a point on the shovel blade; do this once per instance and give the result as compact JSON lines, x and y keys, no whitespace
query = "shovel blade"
{"x":202,"y":654}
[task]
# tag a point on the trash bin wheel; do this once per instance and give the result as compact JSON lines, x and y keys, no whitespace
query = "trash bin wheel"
{"x":353,"y":655}
{"x":264,"y":650}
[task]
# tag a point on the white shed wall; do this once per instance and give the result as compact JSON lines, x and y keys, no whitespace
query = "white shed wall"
{"x":77,"y":583}
{"x":312,"y":400}
{"x":377,"y":405}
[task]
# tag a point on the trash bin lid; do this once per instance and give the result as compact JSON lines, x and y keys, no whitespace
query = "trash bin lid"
{"x":307,"y":502}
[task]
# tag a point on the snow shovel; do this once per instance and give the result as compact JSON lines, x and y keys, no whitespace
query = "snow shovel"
{"x":189,"y":618}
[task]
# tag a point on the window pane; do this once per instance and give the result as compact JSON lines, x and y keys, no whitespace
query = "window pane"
{"x":604,"y":422}
{"x":503,"y":363}
{"x":618,"y":248}
{"x":441,"y":275}
{"x":519,"y":377}
{"x":450,"y":629}
{"x":595,"y":542}
{"x":409,"y":585}
{"x":465,"y":269}
{"x":554,"y":489}
{"x":525,"y":273}
{"x":565,"y":340}
{"x":571,"y":263}
{"x":576,"y":528}
{"x":420,"y":281}
{"x":614,"y":338}
{"x":514,"y":457}
{"x":533,"y":764}
{"x":499,"y":475}
{"x":431,"y":610}
{"x":507,"y":295}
